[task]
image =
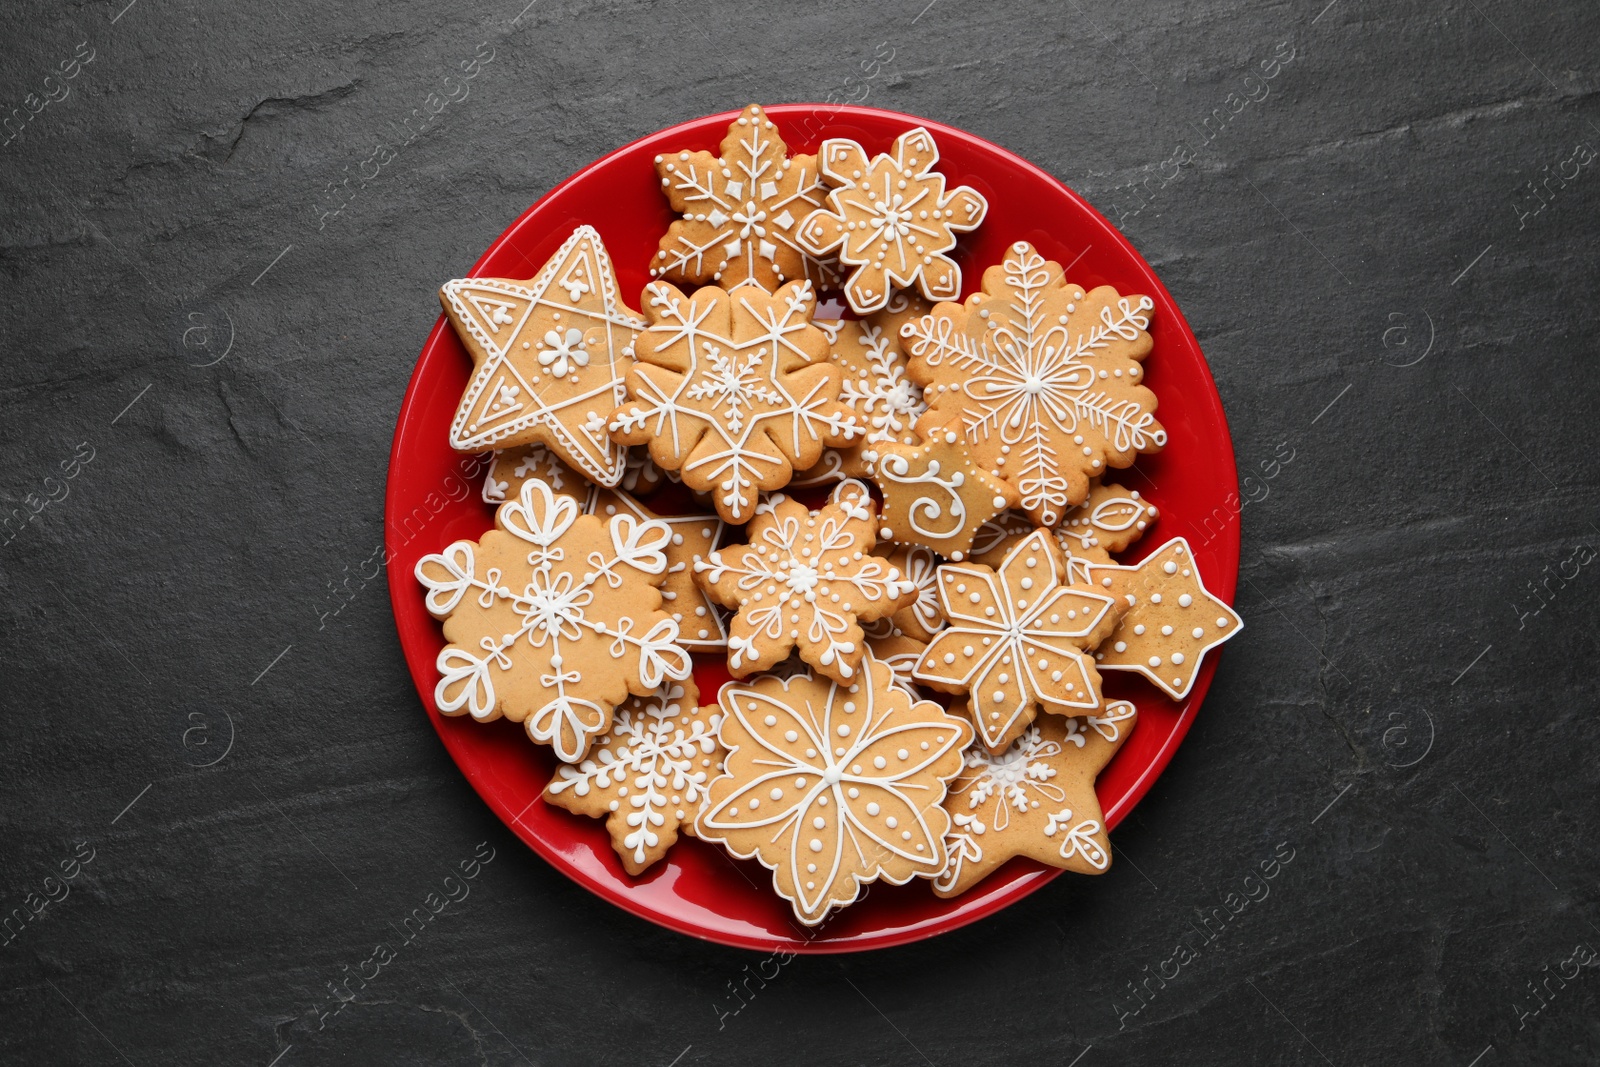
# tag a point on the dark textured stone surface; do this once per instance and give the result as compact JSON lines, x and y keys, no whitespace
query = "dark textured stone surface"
{"x":1318,"y":241}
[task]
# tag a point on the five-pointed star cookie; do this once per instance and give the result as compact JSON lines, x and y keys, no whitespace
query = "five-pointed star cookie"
{"x":1016,"y":640}
{"x":701,"y":627}
{"x":806,"y":580}
{"x":832,"y":786}
{"x":550,"y":356}
{"x":733,"y":390}
{"x":1042,"y":377}
{"x":1035,"y":799}
{"x":1171,"y":621}
{"x":891,"y":218}
{"x":740,"y":211}
{"x":647,"y":775}
{"x":934,"y":494}
{"x":552,"y":618}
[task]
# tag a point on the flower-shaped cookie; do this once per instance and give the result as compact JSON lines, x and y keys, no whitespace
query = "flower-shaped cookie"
{"x":935,"y":494}
{"x":647,"y":776}
{"x":892,"y":219}
{"x":734,"y":390}
{"x":1042,"y":377}
{"x":740,"y":211}
{"x":550,"y":355}
{"x":1016,"y":640}
{"x":1171,"y":621}
{"x":807,"y":579}
{"x":1035,"y":799}
{"x":832,"y":786}
{"x":552,"y":619}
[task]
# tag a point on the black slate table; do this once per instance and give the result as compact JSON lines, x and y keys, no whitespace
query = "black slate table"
{"x":219,"y":789}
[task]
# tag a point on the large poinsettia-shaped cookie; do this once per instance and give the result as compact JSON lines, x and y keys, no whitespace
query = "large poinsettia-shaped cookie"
{"x":1035,"y":799}
{"x":552,"y":619}
{"x":891,"y":218}
{"x":733,"y":390}
{"x":550,"y":355}
{"x":1042,"y":377}
{"x":1016,"y":640}
{"x":647,"y":776}
{"x":833,"y":786}
{"x":806,"y":579}
{"x":740,"y":211}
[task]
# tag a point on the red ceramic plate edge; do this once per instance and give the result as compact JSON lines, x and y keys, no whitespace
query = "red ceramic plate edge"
{"x":1223,"y":583}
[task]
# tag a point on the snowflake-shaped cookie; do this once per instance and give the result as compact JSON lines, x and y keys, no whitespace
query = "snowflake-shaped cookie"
{"x":1171,"y":620}
{"x":1016,"y":640}
{"x":1042,"y":377}
{"x":734,"y":390}
{"x":510,"y":467}
{"x":1035,"y":799}
{"x":935,"y":494}
{"x":701,"y":627}
{"x":806,"y":580}
{"x":892,"y":219}
{"x":740,"y":211}
{"x":550,"y":355}
{"x":552,"y":619}
{"x":832,"y":786}
{"x":647,"y":776}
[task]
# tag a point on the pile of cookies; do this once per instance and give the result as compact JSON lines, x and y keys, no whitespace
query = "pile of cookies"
{"x":918,"y":657}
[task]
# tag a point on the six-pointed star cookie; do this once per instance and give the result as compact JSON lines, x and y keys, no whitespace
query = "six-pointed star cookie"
{"x":647,"y":776}
{"x":832,"y":786}
{"x":806,"y":580}
{"x":1171,"y":622}
{"x":1016,"y":640}
{"x":740,"y":211}
{"x":552,"y":619}
{"x":550,"y":355}
{"x":891,"y":218}
{"x":935,"y":495}
{"x":1042,"y":377}
{"x":1035,"y":799}
{"x":734,"y":390}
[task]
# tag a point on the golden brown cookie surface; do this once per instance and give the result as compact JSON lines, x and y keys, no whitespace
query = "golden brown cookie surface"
{"x":936,"y":495}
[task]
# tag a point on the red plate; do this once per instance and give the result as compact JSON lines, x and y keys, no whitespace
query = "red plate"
{"x":697,"y":889}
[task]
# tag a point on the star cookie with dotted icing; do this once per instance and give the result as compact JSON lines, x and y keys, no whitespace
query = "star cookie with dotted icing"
{"x":1017,"y":640}
{"x":936,"y":495}
{"x":806,"y":580}
{"x":1042,"y":377}
{"x":832,"y":786}
{"x":733,"y":390}
{"x":1035,"y":799}
{"x":550,"y":355}
{"x":1171,"y":621}
{"x":891,"y":218}
{"x":647,"y":775}
{"x":740,"y":212}
{"x":552,"y":618}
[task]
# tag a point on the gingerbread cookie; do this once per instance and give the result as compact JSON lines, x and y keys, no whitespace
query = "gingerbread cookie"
{"x":1111,"y":520}
{"x":510,"y":467}
{"x":891,"y":218}
{"x":1035,"y":799}
{"x":934,"y":494}
{"x":806,"y":580}
{"x":740,"y":211}
{"x":1171,"y":621}
{"x":923,"y":617}
{"x":647,"y":776}
{"x":833,"y":786}
{"x":550,"y":355}
{"x":552,"y":619}
{"x":900,"y":654}
{"x":876,"y":386}
{"x":733,"y":390}
{"x":1042,"y":377}
{"x":1016,"y":640}
{"x":701,"y":627}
